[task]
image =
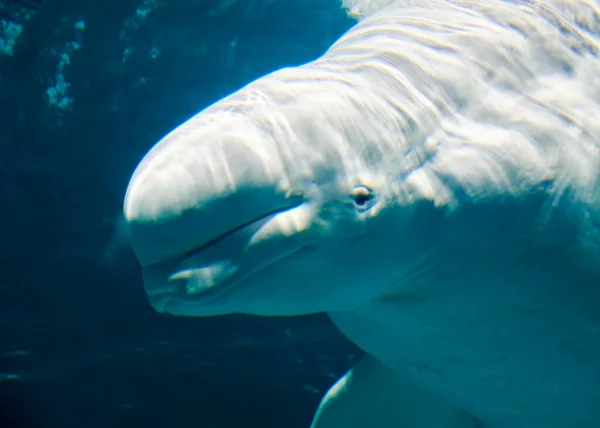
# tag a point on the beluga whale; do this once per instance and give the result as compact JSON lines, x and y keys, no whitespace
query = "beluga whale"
{"x":432,"y":182}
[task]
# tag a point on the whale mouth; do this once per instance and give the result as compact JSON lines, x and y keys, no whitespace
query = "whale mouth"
{"x":210,"y":270}
{"x":221,"y":237}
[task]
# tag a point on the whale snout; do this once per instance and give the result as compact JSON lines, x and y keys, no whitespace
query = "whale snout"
{"x":201,"y":181}
{"x":208,"y":207}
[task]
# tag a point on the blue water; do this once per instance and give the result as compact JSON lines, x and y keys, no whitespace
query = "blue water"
{"x":86,"y":88}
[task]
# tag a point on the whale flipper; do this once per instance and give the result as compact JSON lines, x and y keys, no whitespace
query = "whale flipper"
{"x":373,"y":395}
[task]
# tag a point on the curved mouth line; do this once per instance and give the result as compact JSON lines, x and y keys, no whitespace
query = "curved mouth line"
{"x":217,"y":292}
{"x":225,"y":234}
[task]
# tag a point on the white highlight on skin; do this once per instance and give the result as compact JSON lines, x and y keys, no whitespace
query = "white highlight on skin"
{"x":290,"y":223}
{"x":200,"y":280}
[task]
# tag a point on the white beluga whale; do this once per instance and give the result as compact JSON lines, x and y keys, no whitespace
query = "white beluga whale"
{"x":433,"y":183}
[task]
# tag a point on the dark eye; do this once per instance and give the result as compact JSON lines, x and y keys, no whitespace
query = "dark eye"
{"x":361,"y":196}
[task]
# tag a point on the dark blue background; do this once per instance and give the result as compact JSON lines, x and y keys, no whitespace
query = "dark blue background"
{"x":79,"y":344}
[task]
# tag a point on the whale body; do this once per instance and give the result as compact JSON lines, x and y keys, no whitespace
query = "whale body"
{"x":431,"y":182}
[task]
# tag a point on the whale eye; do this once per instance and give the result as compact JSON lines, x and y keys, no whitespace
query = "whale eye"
{"x":362,"y":196}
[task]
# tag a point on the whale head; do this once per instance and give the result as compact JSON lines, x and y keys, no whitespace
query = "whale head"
{"x":277,"y":200}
